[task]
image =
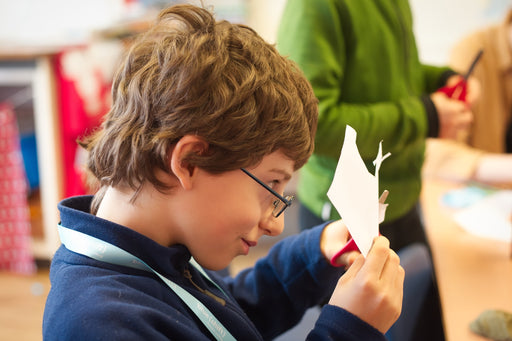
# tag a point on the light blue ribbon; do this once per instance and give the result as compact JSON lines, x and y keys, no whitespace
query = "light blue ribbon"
{"x":102,"y":251}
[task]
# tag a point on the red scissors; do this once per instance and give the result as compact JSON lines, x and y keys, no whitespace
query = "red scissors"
{"x":459,"y":90}
{"x":351,"y":244}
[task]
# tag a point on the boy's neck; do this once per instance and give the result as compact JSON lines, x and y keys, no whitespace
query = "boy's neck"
{"x":142,"y":216}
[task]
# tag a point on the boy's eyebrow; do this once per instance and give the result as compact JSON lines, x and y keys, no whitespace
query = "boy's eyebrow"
{"x":287,"y":176}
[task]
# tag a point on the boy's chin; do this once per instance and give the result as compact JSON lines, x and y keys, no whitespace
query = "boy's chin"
{"x":216,"y":266}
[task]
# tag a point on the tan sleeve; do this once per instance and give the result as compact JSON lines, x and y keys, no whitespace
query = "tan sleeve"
{"x":463,"y":52}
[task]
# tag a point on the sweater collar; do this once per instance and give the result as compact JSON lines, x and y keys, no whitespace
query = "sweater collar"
{"x":74,"y":213}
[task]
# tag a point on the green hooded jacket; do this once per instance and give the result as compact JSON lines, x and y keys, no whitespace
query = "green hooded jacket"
{"x":361,"y":59}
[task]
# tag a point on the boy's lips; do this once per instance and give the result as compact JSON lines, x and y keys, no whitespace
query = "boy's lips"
{"x":250,"y":243}
{"x":247,"y":245}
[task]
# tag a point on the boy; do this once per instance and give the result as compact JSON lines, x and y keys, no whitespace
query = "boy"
{"x":207,"y":125}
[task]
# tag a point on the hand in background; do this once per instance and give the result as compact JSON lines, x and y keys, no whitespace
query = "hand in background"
{"x":454,"y":116}
{"x":372,"y":288}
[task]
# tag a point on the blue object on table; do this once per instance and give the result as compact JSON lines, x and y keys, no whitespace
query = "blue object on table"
{"x":463,"y":197}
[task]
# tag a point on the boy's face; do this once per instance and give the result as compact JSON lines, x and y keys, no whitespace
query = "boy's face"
{"x":224,"y":215}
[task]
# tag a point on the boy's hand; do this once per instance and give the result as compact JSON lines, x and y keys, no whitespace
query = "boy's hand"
{"x":372,"y":288}
{"x":334,"y":236}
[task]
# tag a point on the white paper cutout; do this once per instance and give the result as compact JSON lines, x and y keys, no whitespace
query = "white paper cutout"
{"x":489,"y":217}
{"x":354,"y":192}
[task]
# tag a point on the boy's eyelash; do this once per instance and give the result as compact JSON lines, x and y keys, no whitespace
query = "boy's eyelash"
{"x":274,"y":183}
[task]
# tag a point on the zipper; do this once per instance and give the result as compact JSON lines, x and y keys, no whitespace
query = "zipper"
{"x":188,"y":275}
{"x":234,"y":308}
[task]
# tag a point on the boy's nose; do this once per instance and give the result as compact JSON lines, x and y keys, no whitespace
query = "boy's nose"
{"x":272,"y":226}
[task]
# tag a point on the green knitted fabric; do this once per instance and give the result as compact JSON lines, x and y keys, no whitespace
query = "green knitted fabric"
{"x":362,"y":61}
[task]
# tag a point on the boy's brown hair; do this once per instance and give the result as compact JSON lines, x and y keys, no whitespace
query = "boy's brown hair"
{"x":192,"y":75}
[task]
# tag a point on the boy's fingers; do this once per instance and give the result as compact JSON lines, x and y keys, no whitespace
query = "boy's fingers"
{"x":356,"y":266}
{"x":378,"y":255}
{"x":391,"y":265}
{"x":347,"y":258}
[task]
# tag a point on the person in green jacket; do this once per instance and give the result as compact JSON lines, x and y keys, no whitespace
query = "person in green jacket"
{"x":362,"y":61}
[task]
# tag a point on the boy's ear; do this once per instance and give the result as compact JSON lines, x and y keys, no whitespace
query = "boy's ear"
{"x":180,"y":166}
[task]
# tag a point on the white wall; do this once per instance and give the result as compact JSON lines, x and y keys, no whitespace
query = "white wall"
{"x":42,"y":22}
{"x":57,"y":22}
{"x":438,"y":23}
{"x":264,"y":17}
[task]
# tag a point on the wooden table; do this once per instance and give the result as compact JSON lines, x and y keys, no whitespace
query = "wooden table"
{"x":474,"y":273}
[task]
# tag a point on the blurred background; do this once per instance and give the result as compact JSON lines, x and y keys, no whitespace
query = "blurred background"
{"x":56,"y":62}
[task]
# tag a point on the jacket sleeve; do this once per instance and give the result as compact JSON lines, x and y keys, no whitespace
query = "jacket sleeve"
{"x":293,"y":277}
{"x":337,"y":324}
{"x":436,"y":76}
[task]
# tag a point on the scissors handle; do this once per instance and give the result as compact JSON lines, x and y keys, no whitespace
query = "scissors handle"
{"x":350,"y":246}
{"x":457,"y":91}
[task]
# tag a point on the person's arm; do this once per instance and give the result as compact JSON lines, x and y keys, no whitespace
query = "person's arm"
{"x":436,"y":76}
{"x":317,"y":35}
{"x":450,"y":116}
{"x":450,"y":160}
{"x":458,"y":162}
{"x":372,"y":288}
{"x":296,"y":275}
{"x":281,"y":286}
{"x":495,"y":169}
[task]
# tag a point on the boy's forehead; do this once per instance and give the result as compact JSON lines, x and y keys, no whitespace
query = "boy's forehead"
{"x":277,"y":162}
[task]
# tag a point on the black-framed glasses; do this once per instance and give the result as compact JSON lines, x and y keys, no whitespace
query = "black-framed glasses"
{"x":281,"y":203}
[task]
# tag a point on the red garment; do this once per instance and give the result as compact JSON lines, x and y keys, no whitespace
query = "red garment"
{"x":75,"y":123}
{"x":15,"y":238}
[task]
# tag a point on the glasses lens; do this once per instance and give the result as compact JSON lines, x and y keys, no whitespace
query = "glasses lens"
{"x":280,"y":206}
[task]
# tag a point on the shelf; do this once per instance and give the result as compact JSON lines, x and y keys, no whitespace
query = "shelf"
{"x":33,"y":69}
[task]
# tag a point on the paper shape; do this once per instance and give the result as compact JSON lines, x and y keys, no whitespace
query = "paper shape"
{"x":489,"y":217}
{"x":354,"y":192}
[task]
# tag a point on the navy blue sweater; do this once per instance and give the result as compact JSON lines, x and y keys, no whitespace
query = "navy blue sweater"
{"x":94,"y":300}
